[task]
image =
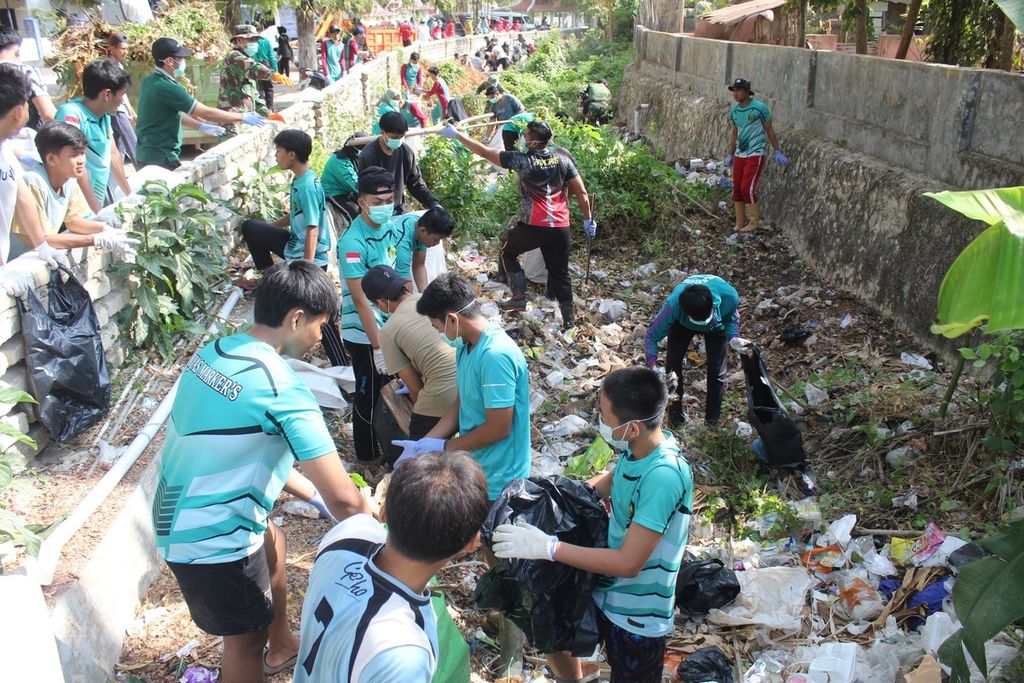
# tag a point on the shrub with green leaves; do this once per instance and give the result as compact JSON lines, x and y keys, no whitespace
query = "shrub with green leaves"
{"x":180,"y":253}
{"x":12,"y":526}
{"x":1003,"y":395}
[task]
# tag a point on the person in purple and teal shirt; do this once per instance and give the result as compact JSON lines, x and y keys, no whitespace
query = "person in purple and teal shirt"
{"x":700,"y":304}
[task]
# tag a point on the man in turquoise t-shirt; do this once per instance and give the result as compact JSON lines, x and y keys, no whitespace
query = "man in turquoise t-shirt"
{"x":305,"y":233}
{"x":651,"y":491}
{"x":492,"y":413}
{"x":240,"y":419}
{"x":371,"y":240}
{"x":332,"y":54}
{"x":701,"y":304}
{"x":750,"y":131}
{"x":104,"y":85}
{"x":417,"y":232}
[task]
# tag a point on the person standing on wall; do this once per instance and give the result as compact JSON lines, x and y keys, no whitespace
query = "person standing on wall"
{"x":284,"y":52}
{"x":749,"y":134}
{"x":242,"y":73}
{"x":265,"y":56}
{"x":124,"y":120}
{"x":546,"y":178}
{"x":165,"y":105}
{"x":705,"y":305}
{"x":412,"y":350}
{"x":392,"y":153}
{"x":252,"y":417}
{"x":332,"y":54}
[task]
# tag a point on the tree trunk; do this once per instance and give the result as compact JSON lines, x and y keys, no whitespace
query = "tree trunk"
{"x":908,"y":29}
{"x":231,"y":12}
{"x":1003,"y":59}
{"x":662,"y":15}
{"x":801,"y":29}
{"x":862,"y":27}
{"x":305,"y":24}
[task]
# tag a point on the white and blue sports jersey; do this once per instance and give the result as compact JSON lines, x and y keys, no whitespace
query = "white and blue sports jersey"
{"x":360,"y":625}
{"x":240,"y":419}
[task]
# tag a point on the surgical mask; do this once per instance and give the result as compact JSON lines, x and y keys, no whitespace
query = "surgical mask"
{"x":458,"y":342}
{"x":381,"y":214}
{"x":492,"y":100}
{"x":394,"y":143}
{"x":251,"y":49}
{"x":180,"y":69}
{"x":606,"y":431}
{"x":706,"y":321}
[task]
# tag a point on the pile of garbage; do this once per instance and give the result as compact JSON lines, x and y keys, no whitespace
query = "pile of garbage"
{"x":710,"y":172}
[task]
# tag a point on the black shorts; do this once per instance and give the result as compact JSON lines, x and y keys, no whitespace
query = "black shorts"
{"x":227,"y":599}
{"x":632,"y":658}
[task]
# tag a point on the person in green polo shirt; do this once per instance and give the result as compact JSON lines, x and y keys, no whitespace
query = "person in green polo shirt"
{"x":104,"y":85}
{"x":164,"y":105}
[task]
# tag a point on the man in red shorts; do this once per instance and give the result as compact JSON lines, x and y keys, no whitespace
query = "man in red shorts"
{"x":751,"y":131}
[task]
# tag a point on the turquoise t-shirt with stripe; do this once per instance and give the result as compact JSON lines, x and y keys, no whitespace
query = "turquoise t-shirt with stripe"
{"x":405,"y":228}
{"x":240,"y":419}
{"x":362,"y":247}
{"x":307,"y":207}
{"x":655,"y":492}
{"x":97,"y":130}
{"x":493,"y":374}
{"x":751,"y":139}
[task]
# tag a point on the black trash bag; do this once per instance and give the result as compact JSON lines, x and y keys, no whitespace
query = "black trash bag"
{"x":551,"y":602}
{"x":704,"y":585}
{"x":784,"y":445}
{"x":704,"y":666}
{"x":67,"y":370}
{"x":391,"y":415}
{"x":456,"y":111}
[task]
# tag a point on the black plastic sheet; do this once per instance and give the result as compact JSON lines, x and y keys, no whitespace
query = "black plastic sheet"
{"x":67,"y":371}
{"x":704,"y":666}
{"x":551,"y":602}
{"x":704,"y":585}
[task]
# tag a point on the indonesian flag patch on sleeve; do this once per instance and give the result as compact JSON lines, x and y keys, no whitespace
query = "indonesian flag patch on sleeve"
{"x":351,"y":257}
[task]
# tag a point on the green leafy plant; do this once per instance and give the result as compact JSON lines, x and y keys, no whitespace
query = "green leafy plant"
{"x":260,"y":194}
{"x":180,"y":253}
{"x":1003,"y":395}
{"x":988,"y":597}
{"x":12,"y":526}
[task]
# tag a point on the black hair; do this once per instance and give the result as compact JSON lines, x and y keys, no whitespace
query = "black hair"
{"x":294,"y":284}
{"x":539,"y":131}
{"x":696,"y":301}
{"x":433,"y":70}
{"x":15,"y":89}
{"x":414,"y":55}
{"x":394,"y":123}
{"x":635,"y":394}
{"x":437,"y":221}
{"x":436,"y":504}
{"x":9,"y":37}
{"x":494,"y":89}
{"x":53,"y":136}
{"x":282,"y":29}
{"x":292,"y":140}
{"x":103,"y":74}
{"x":448,"y":293}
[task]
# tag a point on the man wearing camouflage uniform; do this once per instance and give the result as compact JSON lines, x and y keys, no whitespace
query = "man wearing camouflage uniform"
{"x":240,"y":72}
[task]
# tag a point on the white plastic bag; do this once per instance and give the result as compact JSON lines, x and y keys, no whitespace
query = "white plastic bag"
{"x":772,"y":597}
{"x":326,"y":383}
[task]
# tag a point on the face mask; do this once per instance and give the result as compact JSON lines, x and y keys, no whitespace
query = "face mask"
{"x":606,"y":431}
{"x":393,"y":143}
{"x":456,"y":343}
{"x":702,"y":322}
{"x":381,"y":214}
{"x":180,"y":69}
{"x":251,"y":49}
{"x":492,"y":100}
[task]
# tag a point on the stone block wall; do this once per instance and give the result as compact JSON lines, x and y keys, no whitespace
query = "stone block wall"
{"x":354,"y":95}
{"x":867,"y":137}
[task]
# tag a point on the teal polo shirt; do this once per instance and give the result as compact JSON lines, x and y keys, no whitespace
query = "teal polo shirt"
{"x":405,"y":240}
{"x":362,"y":247}
{"x":307,"y":207}
{"x":493,"y":374}
{"x":99,"y":138}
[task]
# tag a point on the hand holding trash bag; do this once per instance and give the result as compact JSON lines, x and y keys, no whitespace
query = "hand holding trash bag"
{"x":740,"y":345}
{"x":522,"y":541}
{"x":54,"y":258}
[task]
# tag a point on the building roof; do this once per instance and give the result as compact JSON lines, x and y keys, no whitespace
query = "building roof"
{"x":734,"y":13}
{"x":545,"y":6}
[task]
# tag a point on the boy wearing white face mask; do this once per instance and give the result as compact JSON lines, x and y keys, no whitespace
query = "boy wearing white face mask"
{"x":391,"y":152}
{"x":651,"y":491}
{"x":700,"y":304}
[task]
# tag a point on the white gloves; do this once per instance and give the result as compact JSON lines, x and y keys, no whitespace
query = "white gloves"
{"x":414,"y":449}
{"x":117,"y":243}
{"x":52,"y":257}
{"x":211,"y":130}
{"x":318,"y":502}
{"x":378,"y":361}
{"x":16,"y":284}
{"x":109,"y":216}
{"x":523,"y":541}
{"x":741,"y":345}
{"x":253,"y":119}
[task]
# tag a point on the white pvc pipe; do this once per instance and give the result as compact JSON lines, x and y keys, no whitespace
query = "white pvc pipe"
{"x":49,"y":551}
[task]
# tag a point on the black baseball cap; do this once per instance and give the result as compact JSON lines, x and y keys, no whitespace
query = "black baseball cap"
{"x":169,"y":47}
{"x":742,"y":84}
{"x":376,"y":180}
{"x":382,"y":282}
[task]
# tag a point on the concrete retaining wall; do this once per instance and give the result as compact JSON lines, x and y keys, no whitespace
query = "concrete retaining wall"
{"x":867,"y":136}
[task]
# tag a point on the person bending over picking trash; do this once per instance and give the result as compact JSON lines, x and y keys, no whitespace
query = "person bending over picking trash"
{"x":651,"y":492}
{"x":366,"y":615}
{"x":749,"y":133}
{"x":240,"y":419}
{"x":546,"y":178}
{"x":700,"y":304}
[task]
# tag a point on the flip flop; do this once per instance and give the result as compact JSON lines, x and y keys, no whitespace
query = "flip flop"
{"x":286,"y":664}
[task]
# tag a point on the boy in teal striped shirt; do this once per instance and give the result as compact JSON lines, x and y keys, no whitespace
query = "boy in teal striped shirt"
{"x":651,"y":491}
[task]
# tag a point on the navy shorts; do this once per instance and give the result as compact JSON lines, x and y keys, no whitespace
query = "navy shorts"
{"x":632,"y":658}
{"x":227,"y":599}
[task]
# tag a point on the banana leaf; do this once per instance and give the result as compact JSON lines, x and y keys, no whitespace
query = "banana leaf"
{"x":984,"y":284}
{"x":1014,"y":9}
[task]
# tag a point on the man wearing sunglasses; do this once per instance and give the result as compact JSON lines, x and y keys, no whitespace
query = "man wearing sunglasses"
{"x":705,"y":305}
